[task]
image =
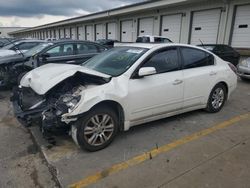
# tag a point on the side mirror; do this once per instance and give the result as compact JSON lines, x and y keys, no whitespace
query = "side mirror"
{"x":146,"y":71}
{"x":45,"y":56}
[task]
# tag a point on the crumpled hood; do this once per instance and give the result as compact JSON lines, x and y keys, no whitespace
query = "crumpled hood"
{"x":4,"y":52}
{"x":11,"y":58}
{"x":43,"y":78}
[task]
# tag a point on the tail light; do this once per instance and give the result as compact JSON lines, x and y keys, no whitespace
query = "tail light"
{"x":234,"y":69}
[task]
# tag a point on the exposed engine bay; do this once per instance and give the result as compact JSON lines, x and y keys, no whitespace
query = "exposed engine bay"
{"x":48,"y":109}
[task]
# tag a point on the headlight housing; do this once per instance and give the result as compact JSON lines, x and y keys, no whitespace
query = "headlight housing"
{"x":245,"y":63}
{"x":71,"y":100}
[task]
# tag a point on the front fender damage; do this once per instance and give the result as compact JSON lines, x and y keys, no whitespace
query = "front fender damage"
{"x":50,"y":109}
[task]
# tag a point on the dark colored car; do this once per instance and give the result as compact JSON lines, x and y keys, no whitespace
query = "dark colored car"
{"x":109,"y":43}
{"x":225,"y":52}
{"x":4,"y":41}
{"x":13,"y":67}
{"x":23,"y":45}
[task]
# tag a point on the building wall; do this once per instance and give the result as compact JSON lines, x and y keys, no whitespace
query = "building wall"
{"x":5,"y":30}
{"x":186,"y":10}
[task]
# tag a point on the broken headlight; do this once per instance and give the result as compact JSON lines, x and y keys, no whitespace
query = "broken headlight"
{"x":68,"y":101}
{"x":71,"y":100}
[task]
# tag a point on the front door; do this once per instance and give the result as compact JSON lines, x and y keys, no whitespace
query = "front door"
{"x":159,"y":93}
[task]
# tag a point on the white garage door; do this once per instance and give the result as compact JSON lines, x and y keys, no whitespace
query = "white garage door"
{"x":98,"y":31}
{"x":112,"y":31}
{"x":50,"y":33}
{"x":171,"y":27}
{"x":146,"y":26}
{"x":205,"y":26}
{"x":44,"y":34}
{"x":127,"y":31}
{"x":241,"y":30}
{"x":81,"y":33}
{"x":73,"y":32}
{"x":67,"y":33}
{"x":62,"y":33}
{"x":57,"y":33}
{"x":89,"y":33}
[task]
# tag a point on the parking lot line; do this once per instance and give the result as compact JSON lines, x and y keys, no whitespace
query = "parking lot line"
{"x":154,"y":152}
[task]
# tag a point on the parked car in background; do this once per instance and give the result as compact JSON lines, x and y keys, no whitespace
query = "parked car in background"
{"x":115,"y":90}
{"x":17,"y":47}
{"x":12,"y":68}
{"x":109,"y":43}
{"x":152,"y":39}
{"x":4,"y":41}
{"x":225,"y":52}
{"x":244,"y":69}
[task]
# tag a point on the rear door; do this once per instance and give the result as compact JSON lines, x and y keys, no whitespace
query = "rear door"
{"x":159,"y":93}
{"x":199,"y":76}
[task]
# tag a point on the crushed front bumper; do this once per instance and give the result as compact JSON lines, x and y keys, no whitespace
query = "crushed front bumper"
{"x":44,"y":116}
{"x":25,"y":117}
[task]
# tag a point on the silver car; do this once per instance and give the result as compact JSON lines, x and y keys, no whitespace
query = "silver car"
{"x":244,"y":68}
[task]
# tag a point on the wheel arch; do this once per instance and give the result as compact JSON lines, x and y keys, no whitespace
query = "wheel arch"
{"x":226,"y":86}
{"x":117,"y":107}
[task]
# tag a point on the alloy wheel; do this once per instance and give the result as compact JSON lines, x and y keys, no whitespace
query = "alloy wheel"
{"x":99,"y":129}
{"x":218,"y":98}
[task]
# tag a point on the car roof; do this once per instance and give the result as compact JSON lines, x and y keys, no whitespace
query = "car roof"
{"x":212,"y":45}
{"x":70,"y":40}
{"x":28,"y":40}
{"x":153,"y":45}
{"x":151,"y":36}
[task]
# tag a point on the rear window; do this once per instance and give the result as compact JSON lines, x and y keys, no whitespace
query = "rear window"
{"x":161,"y":40}
{"x":143,"y":39}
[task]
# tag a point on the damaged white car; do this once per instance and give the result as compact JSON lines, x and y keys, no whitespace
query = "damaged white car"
{"x":123,"y":87}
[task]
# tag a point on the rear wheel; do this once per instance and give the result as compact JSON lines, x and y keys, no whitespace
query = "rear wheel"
{"x":217,"y":98}
{"x":97,"y":129}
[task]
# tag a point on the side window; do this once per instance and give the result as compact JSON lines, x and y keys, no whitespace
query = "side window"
{"x":101,"y":48}
{"x":68,"y":49}
{"x":193,"y":58}
{"x":164,"y":61}
{"x":61,"y":50}
{"x":86,"y":48}
{"x":54,"y":52}
{"x":158,"y":39}
{"x":27,"y":45}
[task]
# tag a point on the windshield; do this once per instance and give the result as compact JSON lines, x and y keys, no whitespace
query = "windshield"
{"x":8,"y":46}
{"x":37,"y":49}
{"x":116,"y":61}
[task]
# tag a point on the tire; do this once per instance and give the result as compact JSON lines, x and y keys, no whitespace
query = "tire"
{"x":217,"y":98}
{"x":91,"y":130}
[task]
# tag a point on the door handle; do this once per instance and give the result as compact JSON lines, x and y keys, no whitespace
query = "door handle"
{"x":212,"y":73}
{"x":70,"y":61}
{"x":177,"y":81}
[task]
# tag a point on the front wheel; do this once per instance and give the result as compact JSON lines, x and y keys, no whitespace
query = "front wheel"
{"x":217,"y":98}
{"x":97,"y":129}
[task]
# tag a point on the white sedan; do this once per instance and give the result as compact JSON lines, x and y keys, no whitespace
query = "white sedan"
{"x":123,"y":87}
